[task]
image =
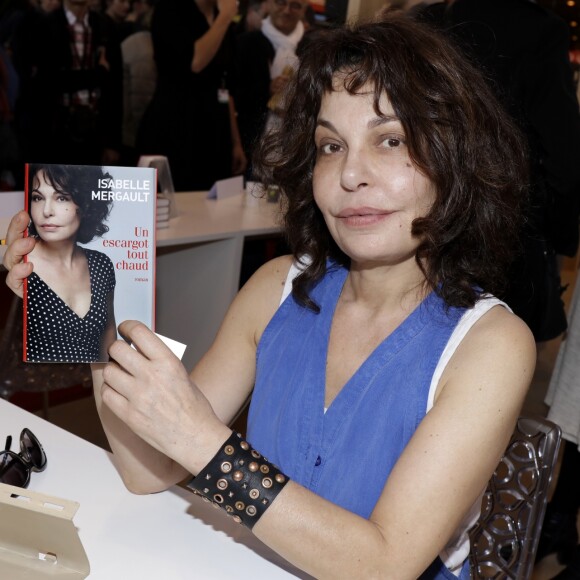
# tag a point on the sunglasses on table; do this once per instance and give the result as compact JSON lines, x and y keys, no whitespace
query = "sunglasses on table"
{"x":15,"y":468}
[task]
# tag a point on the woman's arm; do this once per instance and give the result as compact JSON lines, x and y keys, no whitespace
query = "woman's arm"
{"x":206,"y":47}
{"x":143,"y":468}
{"x":434,"y":483}
{"x":226,"y":372}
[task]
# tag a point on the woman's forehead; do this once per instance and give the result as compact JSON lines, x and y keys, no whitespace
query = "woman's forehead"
{"x":366,"y":92}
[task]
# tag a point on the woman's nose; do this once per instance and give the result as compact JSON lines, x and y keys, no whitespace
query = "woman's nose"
{"x":355,"y":171}
{"x":48,"y":208}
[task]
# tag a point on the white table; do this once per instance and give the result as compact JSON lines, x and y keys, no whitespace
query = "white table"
{"x":198,"y":264}
{"x":167,"y":536}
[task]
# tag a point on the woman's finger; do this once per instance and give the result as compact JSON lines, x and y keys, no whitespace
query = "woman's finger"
{"x":16,"y":276}
{"x":116,"y":402}
{"x":17,"y":227}
{"x":126,"y":357}
{"x":18,"y":247}
{"x":144,"y":340}
{"x":16,"y":251}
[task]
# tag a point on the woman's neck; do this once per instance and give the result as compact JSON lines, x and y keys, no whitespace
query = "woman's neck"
{"x":61,"y":253}
{"x":380,"y":287}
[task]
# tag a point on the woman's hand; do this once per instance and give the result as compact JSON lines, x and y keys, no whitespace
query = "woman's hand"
{"x":148,"y":388}
{"x":18,"y":247}
{"x":228,"y":8}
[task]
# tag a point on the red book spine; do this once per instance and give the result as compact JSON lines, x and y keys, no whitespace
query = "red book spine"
{"x":25,"y":287}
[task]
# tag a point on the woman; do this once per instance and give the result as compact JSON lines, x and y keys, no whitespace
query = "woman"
{"x":191,"y":118}
{"x":70,"y":293}
{"x":374,"y":383}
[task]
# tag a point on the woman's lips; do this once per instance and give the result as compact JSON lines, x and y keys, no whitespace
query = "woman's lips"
{"x":49,"y":227}
{"x":362,"y":216}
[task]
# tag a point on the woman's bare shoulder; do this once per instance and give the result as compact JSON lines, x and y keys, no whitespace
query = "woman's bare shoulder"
{"x":268,"y":281}
{"x":504,"y":327}
{"x":498,"y":351}
{"x":260,"y":297}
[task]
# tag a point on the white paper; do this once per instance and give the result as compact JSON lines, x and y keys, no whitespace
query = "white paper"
{"x":224,"y":188}
{"x":177,"y":348}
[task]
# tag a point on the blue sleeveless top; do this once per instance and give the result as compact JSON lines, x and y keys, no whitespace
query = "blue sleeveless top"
{"x":346,"y":454}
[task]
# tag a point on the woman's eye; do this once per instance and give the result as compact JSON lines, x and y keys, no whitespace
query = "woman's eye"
{"x":392,"y":142}
{"x":63,"y":198}
{"x":35,"y":197}
{"x":330,"y":148}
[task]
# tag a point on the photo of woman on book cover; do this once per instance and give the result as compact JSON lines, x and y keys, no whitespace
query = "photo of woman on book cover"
{"x":69,"y":307}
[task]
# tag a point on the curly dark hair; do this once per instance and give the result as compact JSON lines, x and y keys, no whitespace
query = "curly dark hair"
{"x":78,"y":181}
{"x":457,"y":133}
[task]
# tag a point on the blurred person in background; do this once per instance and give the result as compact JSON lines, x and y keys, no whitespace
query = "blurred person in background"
{"x":139,"y":79}
{"x":191,"y":118}
{"x":140,"y":13}
{"x":266,"y":60}
{"x":116,"y":14}
{"x":69,"y":108}
{"x":252,"y":13}
{"x":560,"y":531}
{"x":523,"y":49}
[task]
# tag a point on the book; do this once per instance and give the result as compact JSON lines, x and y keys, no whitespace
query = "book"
{"x":94,"y":260}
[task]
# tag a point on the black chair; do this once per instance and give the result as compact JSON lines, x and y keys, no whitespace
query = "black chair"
{"x":505,"y":538}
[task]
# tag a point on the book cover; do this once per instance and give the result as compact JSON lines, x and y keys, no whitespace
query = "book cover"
{"x":94,"y":258}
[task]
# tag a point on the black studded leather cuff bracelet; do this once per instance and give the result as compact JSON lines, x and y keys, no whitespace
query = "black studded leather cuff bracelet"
{"x":239,"y":480}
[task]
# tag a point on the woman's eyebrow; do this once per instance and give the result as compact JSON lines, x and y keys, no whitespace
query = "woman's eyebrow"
{"x":382,"y":120}
{"x":376,"y":122}
{"x":327,"y":124}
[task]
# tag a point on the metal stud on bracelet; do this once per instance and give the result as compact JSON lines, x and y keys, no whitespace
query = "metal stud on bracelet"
{"x":240,"y":481}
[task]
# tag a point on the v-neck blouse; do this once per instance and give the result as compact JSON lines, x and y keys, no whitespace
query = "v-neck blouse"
{"x":346,"y":454}
{"x":54,"y":332}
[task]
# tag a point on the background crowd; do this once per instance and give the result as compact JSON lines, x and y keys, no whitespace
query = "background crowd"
{"x":89,"y":82}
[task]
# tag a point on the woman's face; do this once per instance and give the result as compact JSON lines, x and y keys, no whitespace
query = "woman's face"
{"x":365,"y":184}
{"x":55,"y":215}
